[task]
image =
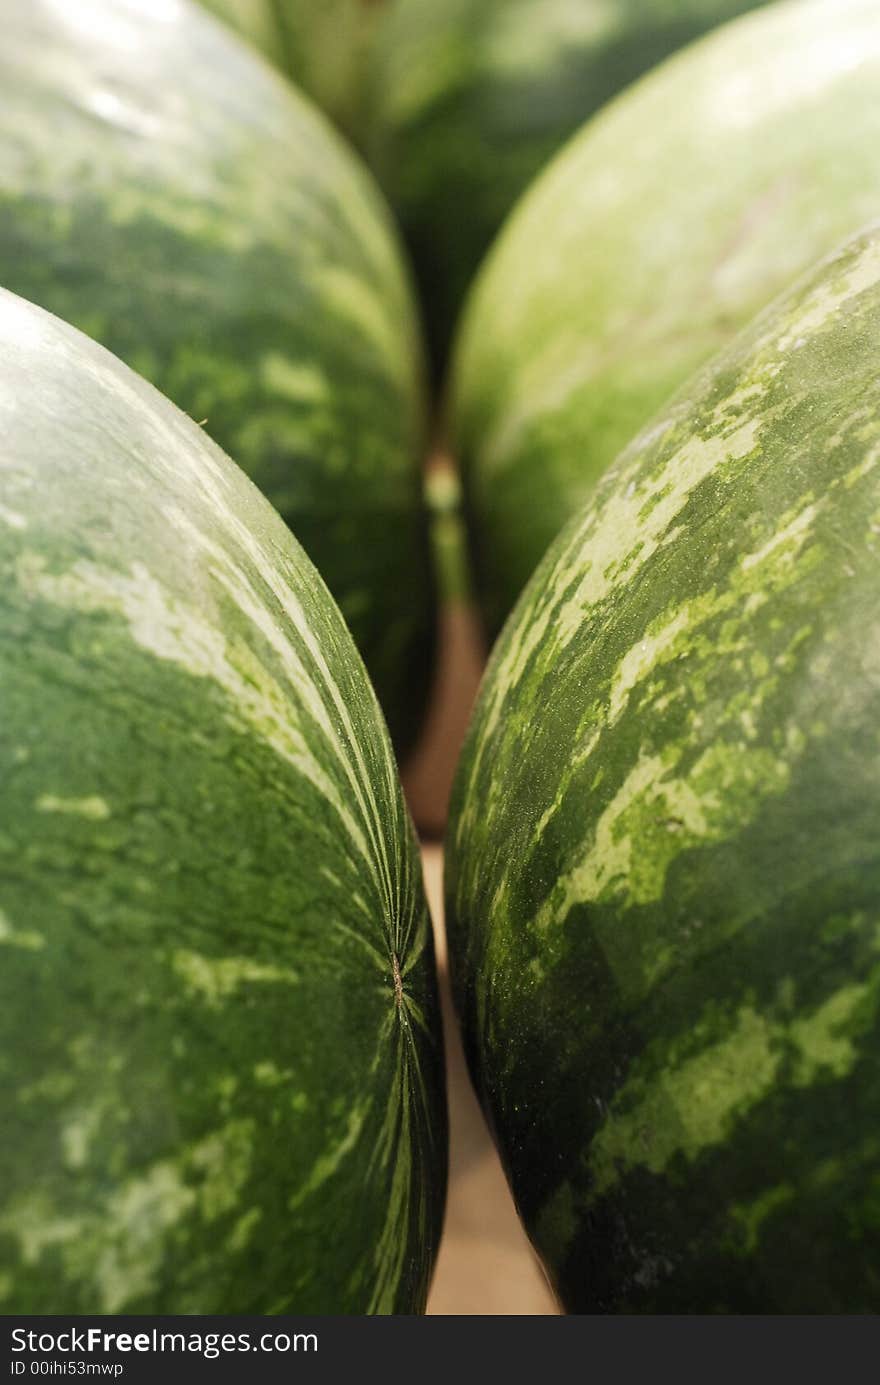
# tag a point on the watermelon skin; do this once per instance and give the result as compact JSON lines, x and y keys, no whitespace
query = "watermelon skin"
{"x":663,"y":868}
{"x":221,"y":1069}
{"x":676,"y":215}
{"x":467,"y":100}
{"x":164,"y":191}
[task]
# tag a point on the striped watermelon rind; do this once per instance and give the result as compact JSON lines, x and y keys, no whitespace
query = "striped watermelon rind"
{"x":663,"y":870}
{"x":675,"y":215}
{"x":221,"y":1065}
{"x":164,"y":191}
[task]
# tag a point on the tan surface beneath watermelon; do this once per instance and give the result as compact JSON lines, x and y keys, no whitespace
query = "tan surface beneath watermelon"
{"x":485,"y":1264}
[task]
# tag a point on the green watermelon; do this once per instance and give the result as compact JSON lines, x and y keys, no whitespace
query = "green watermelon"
{"x":466,"y":100}
{"x":321,"y":44}
{"x":220,"y":1067}
{"x":663,"y":870}
{"x":162,"y":189}
{"x":676,"y":215}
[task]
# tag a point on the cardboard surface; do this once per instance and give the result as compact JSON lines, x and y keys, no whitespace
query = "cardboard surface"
{"x":485,"y":1265}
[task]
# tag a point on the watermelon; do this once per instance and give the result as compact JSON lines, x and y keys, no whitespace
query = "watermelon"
{"x":676,"y":215}
{"x":163,"y":190}
{"x":465,"y":102}
{"x":663,"y":870}
{"x":322,"y":46}
{"x":220,"y":1068}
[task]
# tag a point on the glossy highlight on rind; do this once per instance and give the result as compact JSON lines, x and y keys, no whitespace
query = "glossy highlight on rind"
{"x":663,"y":871}
{"x":221,"y":1062}
{"x":169,"y":194}
{"x":673,"y":217}
{"x":466,"y":100}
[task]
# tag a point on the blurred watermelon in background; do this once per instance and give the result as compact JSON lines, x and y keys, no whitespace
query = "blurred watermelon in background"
{"x":677,"y":213}
{"x":465,"y":100}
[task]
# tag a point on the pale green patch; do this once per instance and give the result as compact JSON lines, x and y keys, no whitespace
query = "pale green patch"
{"x":222,"y":1161}
{"x":129,"y":1238}
{"x":299,"y":382}
{"x":25,"y":938}
{"x":752,"y":1215}
{"x":518,"y":50}
{"x":37,"y":1226}
{"x":861,"y":469}
{"x":93,"y":807}
{"x":824,"y":1048}
{"x":7,"y":1284}
{"x":268,"y":1074}
{"x":342,"y":292}
{"x":580,"y":756}
{"x":226,"y":1085}
{"x":77,"y":1134}
{"x":608,"y":860}
{"x":759,"y":664}
{"x":119,"y":1245}
{"x":243,"y":1232}
{"x":52,"y":1087}
{"x":785,"y":544}
{"x":329,"y":874}
{"x":691,"y":1107}
{"x":158,"y":623}
{"x":687,"y":1109}
{"x":215,"y":979}
{"x":827,"y":299}
{"x":655,"y":815}
{"x":328,"y":1164}
{"x":634,"y":521}
{"x":731,"y":781}
{"x":643,"y":657}
{"x":12,"y":518}
{"x":422,"y":80}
